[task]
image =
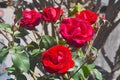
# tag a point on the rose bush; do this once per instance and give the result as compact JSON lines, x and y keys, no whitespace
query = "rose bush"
{"x":55,"y":47}
{"x":30,"y":19}
{"x":76,"y":31}
{"x":57,"y":59}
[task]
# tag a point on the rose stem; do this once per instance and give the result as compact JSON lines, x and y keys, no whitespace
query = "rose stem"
{"x":42,"y":32}
{"x":13,"y":38}
{"x":55,"y":33}
{"x":2,"y":43}
{"x":77,"y":70}
{"x":33,"y":75}
{"x":34,"y":35}
{"x":91,"y":42}
{"x":4,"y":35}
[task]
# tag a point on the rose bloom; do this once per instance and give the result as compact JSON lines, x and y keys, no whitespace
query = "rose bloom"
{"x":76,"y":31}
{"x":51,"y":14}
{"x":30,"y":19}
{"x":87,"y":15}
{"x":57,"y":59}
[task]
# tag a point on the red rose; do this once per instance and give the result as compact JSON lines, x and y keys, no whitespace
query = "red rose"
{"x":76,"y":31}
{"x":88,"y":16}
{"x":30,"y":19}
{"x":51,"y":14}
{"x":57,"y":59}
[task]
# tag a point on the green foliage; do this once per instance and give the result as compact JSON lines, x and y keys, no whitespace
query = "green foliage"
{"x":47,"y":42}
{"x":76,"y":9}
{"x":97,"y":74}
{"x":62,"y":42}
{"x":49,"y":77}
{"x":32,"y":46}
{"x":26,"y":57}
{"x":6,"y":28}
{"x":11,"y":70}
{"x":21,"y":32}
{"x":94,"y":51}
{"x":21,"y":61}
{"x":34,"y":54}
{"x":16,"y":49}
{"x":19,"y":14}
{"x":3,"y":53}
{"x":21,"y":77}
{"x":86,"y":69}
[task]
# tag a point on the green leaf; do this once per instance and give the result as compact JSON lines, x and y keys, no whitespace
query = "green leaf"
{"x":76,"y":76}
{"x":21,"y":61}
{"x":47,"y":42}
{"x":91,"y":66}
{"x":9,"y":30}
{"x":11,"y":70}
{"x":19,"y":48}
{"x":21,"y":77}
{"x":62,"y":42}
{"x":18,"y":14}
{"x":16,"y":49}
{"x":78,"y":62}
{"x":16,"y":32}
{"x":94,"y":51}
{"x":34,"y":52}
{"x":79,"y":76}
{"x":21,"y":32}
{"x":3,"y":53}
{"x":81,"y":54}
{"x":6,"y":27}
{"x":32,"y":46}
{"x":82,"y":77}
{"x":17,"y":40}
{"x":86,"y":71}
{"x":49,"y":77}
{"x":97,"y":74}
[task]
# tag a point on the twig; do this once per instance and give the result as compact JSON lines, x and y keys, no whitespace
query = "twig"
{"x":55,"y":32}
{"x":33,"y":75}
{"x":91,"y":42}
{"x":2,"y":43}
{"x":77,"y":70}
{"x":4,"y":35}
{"x":42,"y":32}
{"x":107,"y":59}
{"x":34,"y":35}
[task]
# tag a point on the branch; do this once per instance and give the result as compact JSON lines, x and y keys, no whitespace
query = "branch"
{"x":111,"y":2}
{"x":107,"y":59}
{"x":117,"y":60}
{"x":98,"y":4}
